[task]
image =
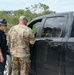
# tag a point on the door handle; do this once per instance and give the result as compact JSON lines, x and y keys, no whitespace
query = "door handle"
{"x":55,"y":45}
{"x":48,"y":39}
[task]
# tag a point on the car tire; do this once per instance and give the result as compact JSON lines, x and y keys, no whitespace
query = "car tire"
{"x":8,"y":67}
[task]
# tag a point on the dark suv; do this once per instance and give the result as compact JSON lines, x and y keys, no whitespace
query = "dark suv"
{"x":53,"y":52}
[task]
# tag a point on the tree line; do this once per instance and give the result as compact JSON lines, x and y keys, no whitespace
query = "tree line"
{"x":30,"y":12}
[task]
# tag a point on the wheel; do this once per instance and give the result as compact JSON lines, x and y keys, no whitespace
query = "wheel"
{"x":8,"y":67}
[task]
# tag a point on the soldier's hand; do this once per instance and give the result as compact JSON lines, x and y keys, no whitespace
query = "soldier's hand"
{"x":1,"y":58}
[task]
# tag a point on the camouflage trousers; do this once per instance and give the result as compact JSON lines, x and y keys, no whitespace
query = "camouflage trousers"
{"x":19,"y":66}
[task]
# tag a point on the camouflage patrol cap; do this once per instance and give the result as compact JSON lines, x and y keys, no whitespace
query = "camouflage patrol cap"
{"x":23,"y":18}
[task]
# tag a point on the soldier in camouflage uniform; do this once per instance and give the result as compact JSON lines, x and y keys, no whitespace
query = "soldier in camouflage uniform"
{"x":19,"y":37}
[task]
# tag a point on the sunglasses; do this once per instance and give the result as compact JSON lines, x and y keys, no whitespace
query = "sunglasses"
{"x":4,"y":25}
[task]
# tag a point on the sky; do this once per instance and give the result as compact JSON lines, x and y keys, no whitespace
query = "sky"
{"x":54,"y":5}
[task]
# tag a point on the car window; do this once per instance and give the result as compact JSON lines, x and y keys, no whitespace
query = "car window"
{"x":51,"y":32}
{"x":53,"y":27}
{"x":35,"y":25}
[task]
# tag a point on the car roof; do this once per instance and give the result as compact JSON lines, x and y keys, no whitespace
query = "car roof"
{"x":52,"y":14}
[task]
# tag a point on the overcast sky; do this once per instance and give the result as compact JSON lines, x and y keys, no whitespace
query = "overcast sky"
{"x":54,"y":5}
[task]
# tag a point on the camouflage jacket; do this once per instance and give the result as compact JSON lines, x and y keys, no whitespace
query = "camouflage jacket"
{"x":19,"y":37}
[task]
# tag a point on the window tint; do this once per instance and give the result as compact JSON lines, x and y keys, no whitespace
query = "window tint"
{"x":51,"y":32}
{"x":53,"y":27}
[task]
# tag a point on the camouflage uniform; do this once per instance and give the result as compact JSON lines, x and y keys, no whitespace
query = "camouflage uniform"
{"x":19,"y":37}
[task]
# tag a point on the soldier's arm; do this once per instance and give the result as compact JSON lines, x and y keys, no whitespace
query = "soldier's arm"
{"x":32,"y":37}
{"x":8,"y":34}
{"x":0,"y":40}
{"x":1,"y":55}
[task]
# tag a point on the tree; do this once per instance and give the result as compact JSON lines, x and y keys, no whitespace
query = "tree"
{"x":28,"y":13}
{"x":39,"y":8}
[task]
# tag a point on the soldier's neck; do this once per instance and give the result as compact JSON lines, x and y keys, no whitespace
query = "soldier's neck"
{"x":22,"y":24}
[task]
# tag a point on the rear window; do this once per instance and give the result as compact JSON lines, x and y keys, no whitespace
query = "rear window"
{"x":53,"y":27}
